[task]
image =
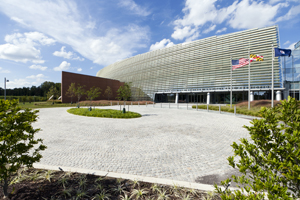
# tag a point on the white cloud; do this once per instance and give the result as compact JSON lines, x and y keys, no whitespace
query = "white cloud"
{"x":27,"y":82}
{"x":35,"y":76}
{"x":79,"y":69}
{"x":211,"y":28}
{"x":248,"y":12}
{"x":162,"y":44}
{"x":22,"y":47}
{"x":91,"y":68}
{"x":67,"y":55}
{"x":294,"y":11}
{"x":181,"y":33}
{"x":4,"y":71}
{"x":221,"y":30}
{"x":292,"y":46}
{"x":132,"y":6}
{"x":287,"y":42}
{"x":38,"y":67}
{"x":63,"y":66}
{"x":244,"y":14}
{"x":64,"y":22}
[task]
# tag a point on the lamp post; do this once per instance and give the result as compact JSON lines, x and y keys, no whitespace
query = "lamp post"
{"x":5,"y":88}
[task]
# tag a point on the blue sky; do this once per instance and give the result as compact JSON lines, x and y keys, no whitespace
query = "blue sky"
{"x":40,"y":38}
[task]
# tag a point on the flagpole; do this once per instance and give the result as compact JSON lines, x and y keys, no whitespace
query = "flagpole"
{"x":272,"y":103}
{"x":285,"y":81}
{"x":249,"y":82}
{"x":230,"y":81}
{"x":293,"y":76}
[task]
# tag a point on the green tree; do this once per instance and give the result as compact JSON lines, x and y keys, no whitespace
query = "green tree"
{"x":270,"y":163}
{"x":80,"y":91}
{"x":45,"y":86}
{"x":53,"y":91}
{"x":71,"y":91}
{"x":108,"y":92}
{"x":30,"y":99}
{"x":18,"y":146}
{"x":93,"y":93}
{"x":124,"y":92}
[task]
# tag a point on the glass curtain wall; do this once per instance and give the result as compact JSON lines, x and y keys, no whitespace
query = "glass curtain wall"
{"x":291,"y":73}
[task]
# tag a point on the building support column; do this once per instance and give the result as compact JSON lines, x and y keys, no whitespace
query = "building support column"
{"x":176,"y":98}
{"x":278,"y":96}
{"x":251,"y":96}
{"x":208,"y":98}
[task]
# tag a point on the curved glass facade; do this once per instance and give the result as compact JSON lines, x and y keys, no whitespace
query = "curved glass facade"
{"x":198,"y":67}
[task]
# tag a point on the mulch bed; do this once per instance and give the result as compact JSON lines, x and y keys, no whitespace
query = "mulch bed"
{"x":40,"y":185}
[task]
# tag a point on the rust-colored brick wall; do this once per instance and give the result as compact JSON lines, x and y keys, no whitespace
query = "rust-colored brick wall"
{"x":89,"y":81}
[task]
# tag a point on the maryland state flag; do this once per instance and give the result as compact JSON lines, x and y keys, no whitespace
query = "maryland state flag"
{"x":256,"y":58}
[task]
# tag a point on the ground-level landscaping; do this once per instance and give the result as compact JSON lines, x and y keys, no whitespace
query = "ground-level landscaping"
{"x":107,"y":113}
{"x":46,"y":185}
{"x":241,"y":108}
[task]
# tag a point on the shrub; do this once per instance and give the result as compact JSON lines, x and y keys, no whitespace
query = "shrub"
{"x":18,"y":146}
{"x":270,"y":162}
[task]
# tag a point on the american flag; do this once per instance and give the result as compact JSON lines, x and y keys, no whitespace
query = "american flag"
{"x":239,"y":63}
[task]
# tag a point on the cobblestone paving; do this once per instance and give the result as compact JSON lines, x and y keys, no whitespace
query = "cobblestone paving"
{"x":166,"y":143}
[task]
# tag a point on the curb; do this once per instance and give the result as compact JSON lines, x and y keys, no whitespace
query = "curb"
{"x":185,"y":184}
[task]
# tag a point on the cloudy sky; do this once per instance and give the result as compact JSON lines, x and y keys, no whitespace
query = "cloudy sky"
{"x":40,"y":38}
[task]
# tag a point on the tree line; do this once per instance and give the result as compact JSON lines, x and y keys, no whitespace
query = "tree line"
{"x":41,"y":90}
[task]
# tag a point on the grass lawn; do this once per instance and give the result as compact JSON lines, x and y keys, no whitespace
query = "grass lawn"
{"x":242,"y":108}
{"x":44,"y":104}
{"x":107,"y":113}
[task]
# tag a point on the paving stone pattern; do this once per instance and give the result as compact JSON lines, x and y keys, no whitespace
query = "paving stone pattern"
{"x":175,"y":144}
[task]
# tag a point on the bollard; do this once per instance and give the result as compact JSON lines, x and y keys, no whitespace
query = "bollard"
{"x":128,"y":107}
{"x":110,"y":103}
{"x":234,"y":110}
{"x":153,"y":104}
{"x":139,"y":104}
{"x":161,"y":105}
{"x":120,"y":108}
{"x":220,"y":108}
{"x":146,"y":104}
{"x":177,"y":105}
{"x":131,"y":103}
{"x":118,"y":103}
{"x":207,"y":108}
{"x":169,"y":105}
{"x":197,"y":106}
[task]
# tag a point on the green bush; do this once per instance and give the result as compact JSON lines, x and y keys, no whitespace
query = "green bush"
{"x":107,"y":113}
{"x":18,"y":146}
{"x":270,"y":162}
{"x":228,"y":109}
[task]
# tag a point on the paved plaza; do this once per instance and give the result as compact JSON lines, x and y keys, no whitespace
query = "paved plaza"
{"x":175,"y":144}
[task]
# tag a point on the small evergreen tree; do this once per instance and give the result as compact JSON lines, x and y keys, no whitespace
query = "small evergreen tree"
{"x":271,"y":160}
{"x":18,"y":146}
{"x":108,"y":92}
{"x":71,"y":91}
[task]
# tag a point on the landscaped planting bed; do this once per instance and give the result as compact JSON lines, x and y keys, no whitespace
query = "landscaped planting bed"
{"x":107,"y":113}
{"x":42,"y":184}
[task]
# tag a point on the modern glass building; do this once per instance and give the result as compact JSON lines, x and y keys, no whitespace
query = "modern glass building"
{"x":200,"y":71}
{"x":291,"y":73}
